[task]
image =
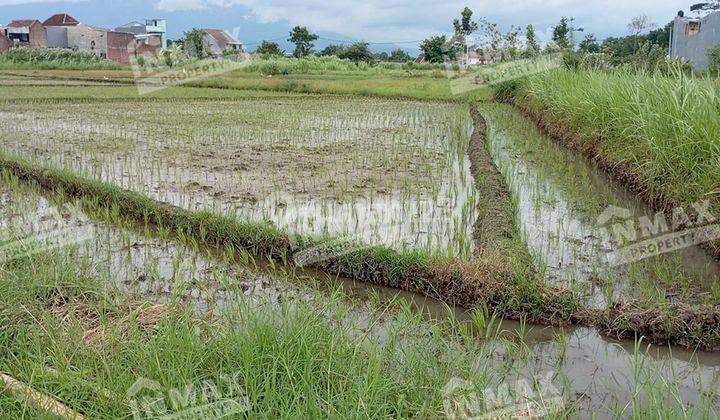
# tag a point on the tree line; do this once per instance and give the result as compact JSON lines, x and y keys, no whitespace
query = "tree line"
{"x":644,"y":37}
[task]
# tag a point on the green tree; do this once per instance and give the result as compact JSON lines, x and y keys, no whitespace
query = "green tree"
{"x":562,"y":33}
{"x":303,"y":40}
{"x":589,"y":44}
{"x":195,"y":45}
{"x":617,"y":47}
{"x":661,"y":36}
{"x":714,"y":59}
{"x":358,"y":52}
{"x":269,"y":48}
{"x":465,"y":25}
{"x":532,"y":46}
{"x":399,"y":55}
{"x":501,"y":46}
{"x":381,"y":56}
{"x":333,"y":49}
{"x":437,"y":50}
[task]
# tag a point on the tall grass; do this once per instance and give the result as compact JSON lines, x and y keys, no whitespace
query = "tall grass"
{"x":53,"y":59}
{"x":662,"y":132}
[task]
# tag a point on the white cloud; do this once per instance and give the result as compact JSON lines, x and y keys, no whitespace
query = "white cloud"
{"x":397,"y":20}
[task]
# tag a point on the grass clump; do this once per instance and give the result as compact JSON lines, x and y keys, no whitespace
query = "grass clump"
{"x":289,"y":359}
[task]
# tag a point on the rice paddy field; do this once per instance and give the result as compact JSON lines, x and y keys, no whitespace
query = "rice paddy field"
{"x":339,"y":253}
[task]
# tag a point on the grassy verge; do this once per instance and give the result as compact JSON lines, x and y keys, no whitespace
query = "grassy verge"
{"x":412,"y":86}
{"x":658,"y":135}
{"x":62,"y":333}
{"x":65,"y":333}
{"x":385,"y":86}
{"x":62,"y":59}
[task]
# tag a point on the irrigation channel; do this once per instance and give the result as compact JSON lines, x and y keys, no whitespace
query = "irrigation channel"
{"x":560,"y":199}
{"x":596,"y":375}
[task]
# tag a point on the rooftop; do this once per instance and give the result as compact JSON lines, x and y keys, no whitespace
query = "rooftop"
{"x":61,"y":19}
{"x":220,"y":35}
{"x":19,"y":23}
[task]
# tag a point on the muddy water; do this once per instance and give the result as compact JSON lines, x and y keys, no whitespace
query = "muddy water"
{"x":395,"y":219}
{"x":560,"y":199}
{"x":383,"y":172}
{"x":595,"y":375}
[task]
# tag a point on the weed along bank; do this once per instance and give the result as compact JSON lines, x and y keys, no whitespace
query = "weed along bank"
{"x":518,"y":218}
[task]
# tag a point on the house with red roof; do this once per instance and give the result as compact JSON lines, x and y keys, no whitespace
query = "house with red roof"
{"x":56,"y":27}
{"x":61,"y":19}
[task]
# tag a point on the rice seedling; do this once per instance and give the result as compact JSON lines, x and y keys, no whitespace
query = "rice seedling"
{"x":253,"y":174}
{"x":392,"y":173}
{"x":78,"y":338}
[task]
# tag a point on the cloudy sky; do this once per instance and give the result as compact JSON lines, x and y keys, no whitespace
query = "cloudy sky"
{"x":380,"y":21}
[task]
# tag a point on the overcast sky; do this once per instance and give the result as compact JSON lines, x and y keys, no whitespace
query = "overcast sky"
{"x":369,"y":20}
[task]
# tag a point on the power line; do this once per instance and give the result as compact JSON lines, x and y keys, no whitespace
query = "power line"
{"x":268,"y":40}
{"x":348,"y":41}
{"x":343,"y":41}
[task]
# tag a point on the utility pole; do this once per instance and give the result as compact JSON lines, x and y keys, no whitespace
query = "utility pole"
{"x":467,"y":51}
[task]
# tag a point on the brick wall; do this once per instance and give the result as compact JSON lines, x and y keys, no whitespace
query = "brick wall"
{"x":38,"y":36}
{"x":121,"y":46}
{"x":5,"y":43}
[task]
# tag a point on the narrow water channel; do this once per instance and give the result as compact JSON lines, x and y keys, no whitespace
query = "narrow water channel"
{"x":560,"y":199}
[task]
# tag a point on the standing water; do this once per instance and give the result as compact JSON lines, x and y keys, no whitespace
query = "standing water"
{"x":560,"y":198}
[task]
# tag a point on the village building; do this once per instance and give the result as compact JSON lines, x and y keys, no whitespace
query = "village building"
{"x":220,"y":41}
{"x":152,"y":32}
{"x":64,"y":31}
{"x":26,"y":33}
{"x":88,"y":39}
{"x":5,"y":43}
{"x":56,"y":28}
{"x":157,"y":27}
{"x":692,"y":38}
{"x":473,"y":58}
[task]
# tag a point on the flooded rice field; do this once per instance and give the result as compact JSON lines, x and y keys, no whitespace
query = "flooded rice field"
{"x":561,"y":200}
{"x":386,"y":172}
{"x":594,"y":375}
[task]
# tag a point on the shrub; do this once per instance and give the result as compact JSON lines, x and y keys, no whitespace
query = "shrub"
{"x":54,"y":58}
{"x":506,"y":91}
{"x":572,"y":60}
{"x":713,"y":55}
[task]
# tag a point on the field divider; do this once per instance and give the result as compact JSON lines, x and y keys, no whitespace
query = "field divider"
{"x":466,"y":284}
{"x":513,"y":291}
{"x":676,"y":323}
